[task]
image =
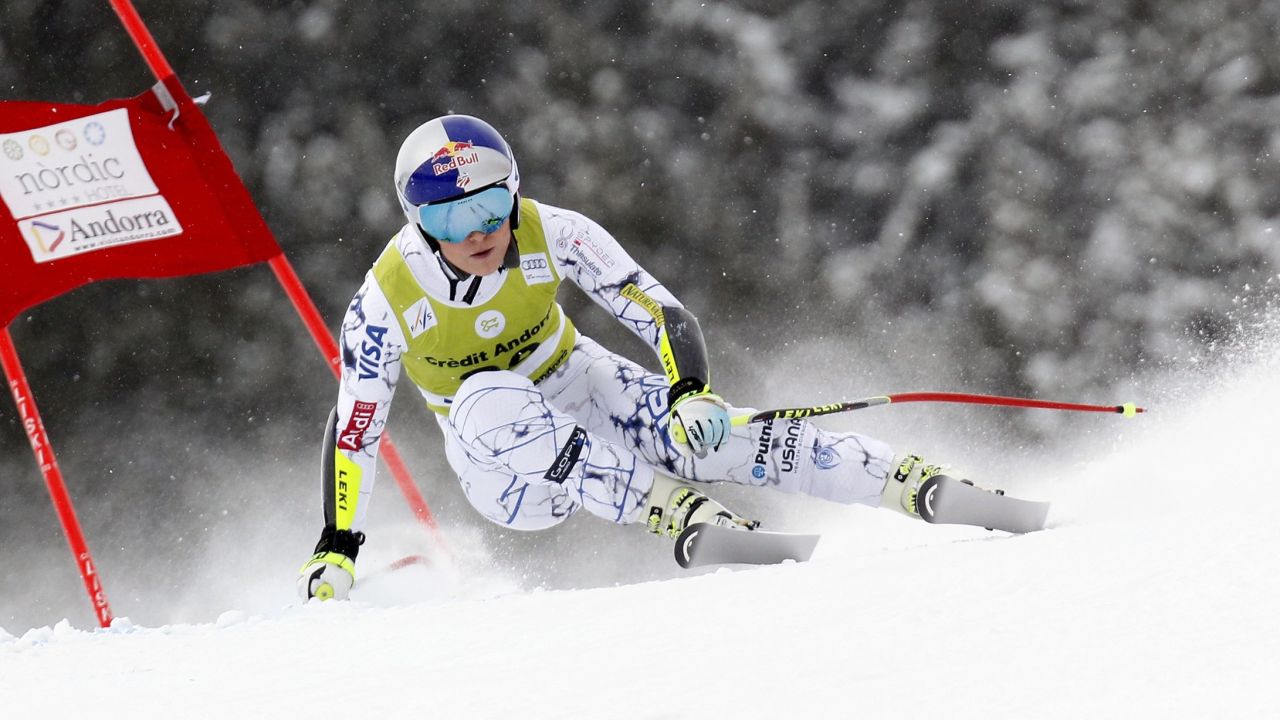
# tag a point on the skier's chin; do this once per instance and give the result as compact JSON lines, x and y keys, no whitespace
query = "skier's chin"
{"x":479,"y":255}
{"x":485,"y":262}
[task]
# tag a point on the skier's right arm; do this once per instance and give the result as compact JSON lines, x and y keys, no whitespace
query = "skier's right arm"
{"x":372,"y":343}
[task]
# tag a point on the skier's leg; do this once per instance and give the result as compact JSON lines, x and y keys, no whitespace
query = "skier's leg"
{"x":500,"y":495}
{"x":525,"y":464}
{"x":619,"y":400}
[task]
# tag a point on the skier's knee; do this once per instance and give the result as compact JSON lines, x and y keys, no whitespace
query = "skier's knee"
{"x":493,"y":399}
{"x":529,"y":508}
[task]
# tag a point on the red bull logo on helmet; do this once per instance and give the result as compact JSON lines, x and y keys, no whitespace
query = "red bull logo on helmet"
{"x":454,"y":156}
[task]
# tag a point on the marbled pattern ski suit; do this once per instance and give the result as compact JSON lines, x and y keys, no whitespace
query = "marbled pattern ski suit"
{"x":599,"y":418}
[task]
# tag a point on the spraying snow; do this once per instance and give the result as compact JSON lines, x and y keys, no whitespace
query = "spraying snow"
{"x":1147,"y":596}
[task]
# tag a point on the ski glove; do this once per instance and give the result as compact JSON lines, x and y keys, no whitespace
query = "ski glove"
{"x":699,"y":422}
{"x":331,"y":572}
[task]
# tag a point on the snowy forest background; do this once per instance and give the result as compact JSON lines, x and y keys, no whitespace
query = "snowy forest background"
{"x":1045,"y":199}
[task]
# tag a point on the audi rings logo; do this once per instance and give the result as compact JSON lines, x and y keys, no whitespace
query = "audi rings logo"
{"x":536,"y":268}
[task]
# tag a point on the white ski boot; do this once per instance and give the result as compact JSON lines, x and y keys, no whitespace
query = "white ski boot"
{"x":938,"y":495}
{"x":674,"y":506}
{"x":902,"y":488}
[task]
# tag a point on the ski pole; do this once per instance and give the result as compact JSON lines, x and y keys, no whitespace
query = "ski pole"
{"x":1127,"y":409}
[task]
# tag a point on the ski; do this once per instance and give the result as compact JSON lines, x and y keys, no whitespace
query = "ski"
{"x":705,"y":544}
{"x":947,"y":501}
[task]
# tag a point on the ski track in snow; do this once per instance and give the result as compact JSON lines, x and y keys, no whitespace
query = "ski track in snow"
{"x":1149,"y":596}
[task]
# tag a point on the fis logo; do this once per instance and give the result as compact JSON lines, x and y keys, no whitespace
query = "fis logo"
{"x":419,"y":317}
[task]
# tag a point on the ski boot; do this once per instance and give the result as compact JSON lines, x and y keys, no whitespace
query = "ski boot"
{"x":674,"y":506}
{"x":937,"y":495}
{"x":902,"y":489}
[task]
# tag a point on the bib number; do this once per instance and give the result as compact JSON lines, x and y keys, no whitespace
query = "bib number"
{"x":517,"y":357}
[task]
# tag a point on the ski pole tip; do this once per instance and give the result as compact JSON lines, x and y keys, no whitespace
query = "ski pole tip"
{"x":1129,"y":410}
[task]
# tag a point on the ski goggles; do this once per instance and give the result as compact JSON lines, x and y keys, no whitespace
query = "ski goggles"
{"x":452,"y":221}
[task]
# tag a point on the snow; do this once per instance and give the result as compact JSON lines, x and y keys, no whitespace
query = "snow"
{"x":1150,"y":596}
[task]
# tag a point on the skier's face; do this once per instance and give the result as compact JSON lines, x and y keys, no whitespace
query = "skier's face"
{"x":480,"y":254}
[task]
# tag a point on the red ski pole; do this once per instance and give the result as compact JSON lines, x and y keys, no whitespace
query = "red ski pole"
{"x":1127,"y":409}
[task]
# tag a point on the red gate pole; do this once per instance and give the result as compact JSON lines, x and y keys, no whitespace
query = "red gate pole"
{"x":43,"y":451}
{"x":142,"y":38}
{"x":293,"y":287}
{"x":315,"y":323}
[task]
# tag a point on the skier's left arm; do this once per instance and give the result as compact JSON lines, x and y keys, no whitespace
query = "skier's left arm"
{"x":592,"y":258}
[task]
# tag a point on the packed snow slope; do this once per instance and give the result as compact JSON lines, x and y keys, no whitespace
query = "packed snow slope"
{"x":1151,"y":595}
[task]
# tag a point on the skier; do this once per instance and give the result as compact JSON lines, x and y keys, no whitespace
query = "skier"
{"x":538,"y":419}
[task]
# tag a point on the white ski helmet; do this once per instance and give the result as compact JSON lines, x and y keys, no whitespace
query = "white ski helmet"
{"x":456,"y":175}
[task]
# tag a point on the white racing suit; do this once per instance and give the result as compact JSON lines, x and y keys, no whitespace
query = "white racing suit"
{"x":591,"y":431}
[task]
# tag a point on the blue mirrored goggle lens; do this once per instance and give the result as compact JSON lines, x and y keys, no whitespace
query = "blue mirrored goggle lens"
{"x":454,"y":221}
